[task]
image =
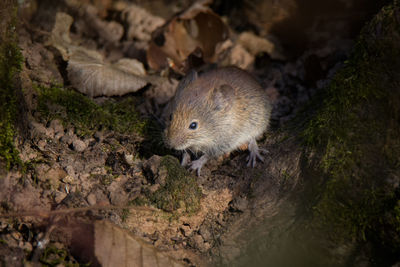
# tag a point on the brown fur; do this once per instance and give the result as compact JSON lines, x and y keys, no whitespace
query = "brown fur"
{"x":229,"y":106}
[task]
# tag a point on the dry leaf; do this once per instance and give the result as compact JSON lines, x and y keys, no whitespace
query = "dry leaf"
{"x":141,"y":23}
{"x":132,"y":66}
{"x":110,"y":31}
{"x":104,"y":244}
{"x":60,"y":34}
{"x":197,"y":30}
{"x":240,"y":57}
{"x":234,"y":54}
{"x":91,"y":76}
{"x":101,"y":5}
{"x":255,"y":44}
{"x":116,"y":247}
{"x":88,"y":72}
{"x":90,"y":23}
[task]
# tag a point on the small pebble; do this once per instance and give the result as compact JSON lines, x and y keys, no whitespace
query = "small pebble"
{"x":200,"y":244}
{"x":42,"y":145}
{"x":91,"y":199}
{"x":69,"y":180}
{"x":70,"y":170}
{"x":59,"y":196}
{"x":59,"y":135}
{"x":78,"y":145}
{"x":186,"y":230}
{"x":57,"y":126}
{"x":39,"y":129}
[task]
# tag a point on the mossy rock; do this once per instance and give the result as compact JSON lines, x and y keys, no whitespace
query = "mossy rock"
{"x":356,"y":133}
{"x":75,"y":109}
{"x":118,"y":115}
{"x":179,"y":188}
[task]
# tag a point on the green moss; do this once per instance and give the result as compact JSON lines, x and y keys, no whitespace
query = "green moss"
{"x":356,"y":132}
{"x":180,"y":190}
{"x":118,"y":115}
{"x":53,"y":256}
{"x":10,"y":65}
{"x":77,"y":110}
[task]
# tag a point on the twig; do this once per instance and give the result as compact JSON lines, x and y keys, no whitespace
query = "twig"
{"x":45,"y":214}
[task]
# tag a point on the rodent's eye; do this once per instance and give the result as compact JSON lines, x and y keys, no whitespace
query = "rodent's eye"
{"x":170,"y":117}
{"x":193,"y":126}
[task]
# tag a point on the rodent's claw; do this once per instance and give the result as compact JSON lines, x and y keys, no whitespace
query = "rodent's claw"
{"x":254,"y":154}
{"x":196,"y":165}
{"x":252,"y":158}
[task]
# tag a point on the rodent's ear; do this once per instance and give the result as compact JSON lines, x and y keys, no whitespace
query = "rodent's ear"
{"x":223,"y":97}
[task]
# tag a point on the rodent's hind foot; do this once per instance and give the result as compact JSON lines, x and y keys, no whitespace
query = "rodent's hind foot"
{"x":254,"y":153}
{"x":196,"y":165}
{"x":185,"y":159}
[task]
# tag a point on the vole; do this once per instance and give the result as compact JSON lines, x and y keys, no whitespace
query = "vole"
{"x":215,"y":113}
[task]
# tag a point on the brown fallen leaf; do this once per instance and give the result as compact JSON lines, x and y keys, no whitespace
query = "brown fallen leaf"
{"x":101,"y":5}
{"x":89,"y":20}
{"x":140,"y":23}
{"x":59,"y":37}
{"x":235,"y":54}
{"x":255,"y":44}
{"x":88,"y":72}
{"x":110,"y":31}
{"x":116,"y":247}
{"x":90,"y":75}
{"x":197,"y":30}
{"x":240,"y":57}
{"x":105,"y":244}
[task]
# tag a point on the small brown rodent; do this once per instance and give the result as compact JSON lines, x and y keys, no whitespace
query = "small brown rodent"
{"x":216,"y":113}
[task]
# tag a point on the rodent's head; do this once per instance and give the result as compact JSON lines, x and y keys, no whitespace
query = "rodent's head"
{"x":196,"y":115}
{"x":186,"y":128}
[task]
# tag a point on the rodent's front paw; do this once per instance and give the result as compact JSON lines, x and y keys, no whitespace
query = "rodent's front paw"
{"x":185,"y":159}
{"x":196,"y":165}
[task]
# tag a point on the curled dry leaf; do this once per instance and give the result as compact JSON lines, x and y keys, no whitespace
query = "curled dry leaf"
{"x":101,"y":5}
{"x":198,"y":30}
{"x":88,"y":72}
{"x":115,"y":247}
{"x":234,"y":54}
{"x":91,"y":76}
{"x":90,"y":23}
{"x":239,"y":56}
{"x":110,"y":31}
{"x":59,"y":37}
{"x":140,"y":23}
{"x":105,"y":244}
{"x":255,"y":44}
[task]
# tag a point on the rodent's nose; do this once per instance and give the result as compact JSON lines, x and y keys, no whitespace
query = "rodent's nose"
{"x":171,"y":141}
